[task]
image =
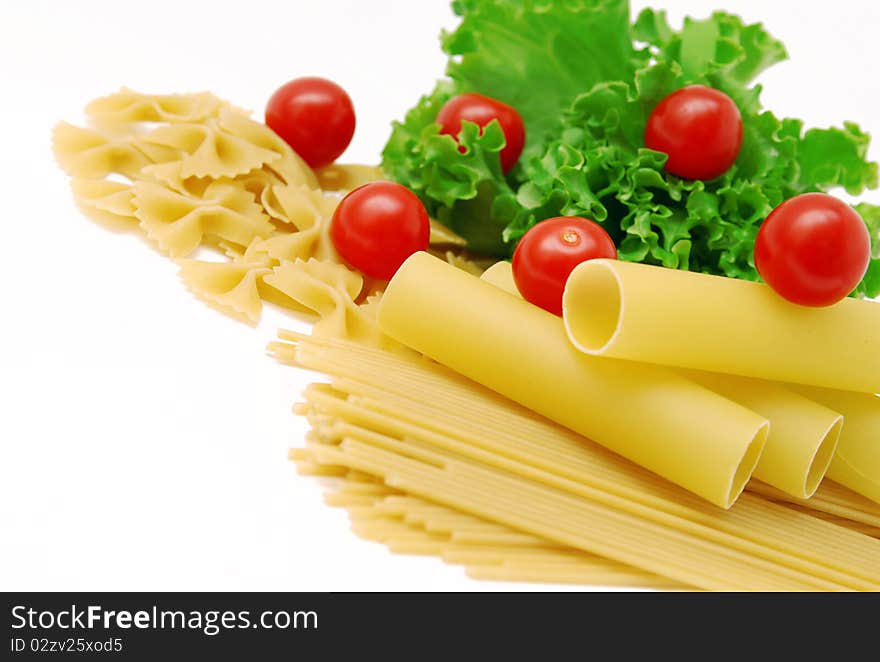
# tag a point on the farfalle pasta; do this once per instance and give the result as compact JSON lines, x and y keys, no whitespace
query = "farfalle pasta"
{"x":91,"y":154}
{"x":128,"y":107}
{"x":209,"y":150}
{"x":330,"y":290}
{"x":345,"y":177}
{"x":192,"y":172}
{"x":291,"y":168}
{"x":232,"y":286}
{"x":179,"y":222}
{"x":104,"y":201}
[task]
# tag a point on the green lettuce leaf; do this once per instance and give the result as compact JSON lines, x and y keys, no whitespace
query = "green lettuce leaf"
{"x":538,"y":55}
{"x":870,"y":285}
{"x":462,"y":188}
{"x":585,"y":82}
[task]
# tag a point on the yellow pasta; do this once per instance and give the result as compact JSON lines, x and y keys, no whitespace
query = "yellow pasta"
{"x":289,"y":166}
{"x":345,"y":177}
{"x":500,"y":275}
{"x":209,"y":151}
{"x":678,"y":318}
{"x":179,"y":222}
{"x":803,"y":434}
{"x":466,"y":264}
{"x":299,"y":206}
{"x":86,"y":153}
{"x":202,"y":174}
{"x":260,"y":183}
{"x":106,"y":202}
{"x":501,"y":553}
{"x":329,"y":290}
{"x":460,"y":445}
{"x":407,"y":524}
{"x":682,"y":431}
{"x":128,"y":106}
{"x":830,"y":500}
{"x":856,"y":463}
{"x":231,"y":285}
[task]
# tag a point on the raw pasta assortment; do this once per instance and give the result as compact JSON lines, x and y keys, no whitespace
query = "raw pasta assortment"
{"x":549,"y":350}
{"x":193,"y":173}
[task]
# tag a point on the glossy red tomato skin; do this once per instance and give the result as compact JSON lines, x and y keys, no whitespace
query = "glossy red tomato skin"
{"x":314,"y":116}
{"x":550,"y":250}
{"x":813,"y":249}
{"x":377,"y":226}
{"x":481,"y":110}
{"x":700,"y":128}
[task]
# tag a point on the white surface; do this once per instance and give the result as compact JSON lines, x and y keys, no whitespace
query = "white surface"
{"x":143,"y":434}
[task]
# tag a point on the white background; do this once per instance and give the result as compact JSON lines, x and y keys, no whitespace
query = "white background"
{"x":143,"y":434}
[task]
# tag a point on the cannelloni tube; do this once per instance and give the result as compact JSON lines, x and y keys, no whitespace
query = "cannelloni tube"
{"x":803,"y":433}
{"x":679,"y":318}
{"x":500,"y":275}
{"x":653,"y":416}
{"x":856,"y":463}
{"x":803,"y":437}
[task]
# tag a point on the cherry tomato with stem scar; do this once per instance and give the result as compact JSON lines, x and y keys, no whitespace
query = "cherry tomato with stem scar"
{"x":548,"y":253}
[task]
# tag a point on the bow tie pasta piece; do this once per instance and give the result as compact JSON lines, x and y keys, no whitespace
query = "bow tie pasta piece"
{"x":210,"y":151}
{"x":329,"y":289}
{"x":299,"y":205}
{"x":158,"y":154}
{"x":259,"y":183}
{"x":90,"y":154}
{"x":284,"y":206}
{"x":130,"y":107}
{"x":179,"y":222}
{"x":301,"y":245}
{"x":289,"y":166}
{"x":169,"y":175}
{"x":106,"y":202}
{"x":230,"y":286}
{"x":312,"y":235}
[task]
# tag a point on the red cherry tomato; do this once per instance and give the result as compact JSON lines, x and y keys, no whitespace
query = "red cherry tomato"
{"x":813,"y":249}
{"x":549,"y":251}
{"x":700,"y":128}
{"x":377,"y":226}
{"x":314,"y":116}
{"x":481,"y":110}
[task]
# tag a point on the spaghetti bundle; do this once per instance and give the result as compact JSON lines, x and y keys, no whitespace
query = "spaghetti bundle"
{"x":466,"y":448}
{"x":409,"y":525}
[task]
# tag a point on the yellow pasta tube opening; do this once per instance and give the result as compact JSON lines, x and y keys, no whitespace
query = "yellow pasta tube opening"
{"x":678,"y":318}
{"x":595,"y":331}
{"x":653,"y":416}
{"x":803,"y":434}
{"x":856,"y":463}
